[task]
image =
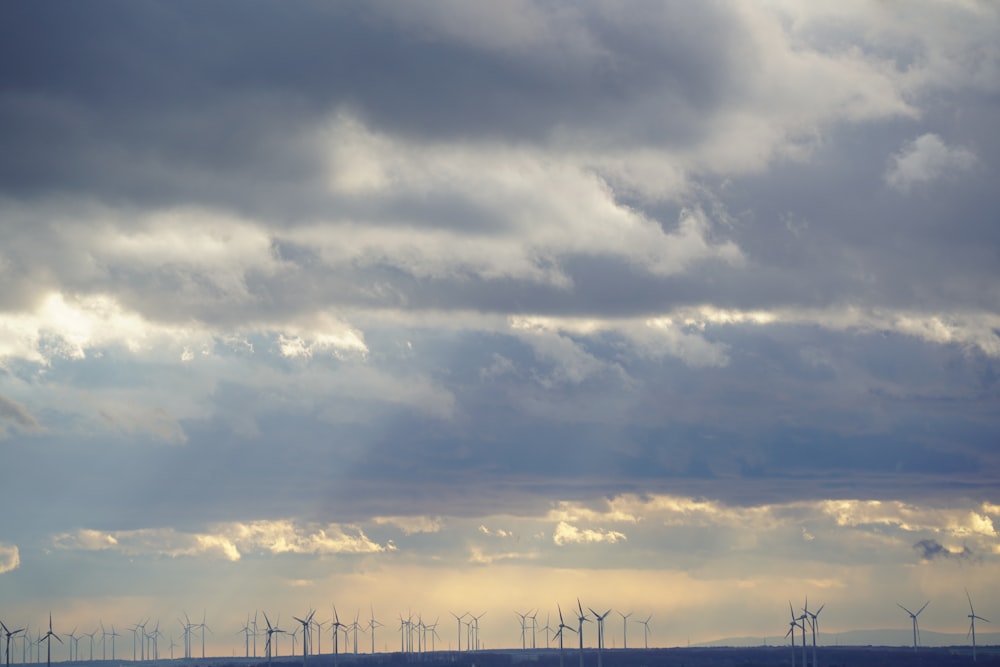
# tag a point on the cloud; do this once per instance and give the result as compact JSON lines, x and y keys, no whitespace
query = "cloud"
{"x":925,"y":159}
{"x":230,"y":541}
{"x":496,"y":532}
{"x":10,"y":557}
{"x":479,"y":556}
{"x":932,"y":550}
{"x":566,"y":533}
{"x":411,"y":525}
{"x":14,"y":413}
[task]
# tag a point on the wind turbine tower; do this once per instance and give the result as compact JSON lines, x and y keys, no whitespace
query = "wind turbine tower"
{"x":47,"y":638}
{"x":458,"y":619}
{"x":305,"y":634}
{"x":972,"y":627}
{"x":645,"y":631}
{"x":523,"y":617}
{"x":581,"y":619}
{"x":203,"y":627}
{"x":10,"y":633}
{"x":916,"y":630}
{"x":814,"y":624}
{"x":559,"y":634}
{"x":792,"y":624}
{"x":372,"y":624}
{"x":625,"y":628}
{"x":271,"y":630}
{"x":336,"y":625}
{"x":600,"y":632}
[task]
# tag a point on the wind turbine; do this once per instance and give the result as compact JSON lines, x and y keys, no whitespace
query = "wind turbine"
{"x":600,"y":632}
{"x":255,"y":632}
{"x":434,"y":633}
{"x":581,"y":619}
{"x":802,"y":624}
{"x":104,"y":642}
{"x":522,"y":617}
{"x":203,"y":628}
{"x":814,"y":624}
{"x":10,"y":633}
{"x":372,"y":624}
{"x":355,"y":626}
{"x":186,"y":627}
{"x":548,"y":631}
{"x":246,"y":635}
{"x":791,"y":631}
{"x":459,"y":620}
{"x":72,"y":640}
{"x":25,"y":640}
{"x":91,"y":635}
{"x":625,"y":628}
{"x":336,"y":625}
{"x":114,"y":633}
{"x":47,"y":638}
{"x":305,"y":635}
{"x":916,"y":630}
{"x":475,"y":624}
{"x":645,"y":632}
{"x":559,"y":634}
{"x":319,"y":635}
{"x":404,"y":634}
{"x":972,"y":626}
{"x":270,"y":631}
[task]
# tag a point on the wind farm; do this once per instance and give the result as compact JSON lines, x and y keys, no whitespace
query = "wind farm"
{"x":806,"y":645}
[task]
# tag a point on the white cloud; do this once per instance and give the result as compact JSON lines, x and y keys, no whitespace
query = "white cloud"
{"x":925,"y":159}
{"x":966,"y":328}
{"x":229,"y":541}
{"x":565,"y":533}
{"x":495,"y":532}
{"x":952,"y":521}
{"x":65,"y":326}
{"x":10,"y":557}
{"x":515,"y":187}
{"x":411,"y":525}
{"x":479,"y":556}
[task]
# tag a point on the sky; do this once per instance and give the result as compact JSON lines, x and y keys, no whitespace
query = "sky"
{"x":681,"y":309}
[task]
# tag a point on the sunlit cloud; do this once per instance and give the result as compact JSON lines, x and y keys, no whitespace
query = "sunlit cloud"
{"x":565,"y":533}
{"x":496,"y":532}
{"x":10,"y":557}
{"x":411,"y":525}
{"x":911,"y":518}
{"x":229,"y":541}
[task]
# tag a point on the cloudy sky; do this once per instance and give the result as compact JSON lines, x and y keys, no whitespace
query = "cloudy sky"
{"x":686,"y":309}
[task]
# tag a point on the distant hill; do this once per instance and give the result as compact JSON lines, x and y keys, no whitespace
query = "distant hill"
{"x":884,"y":637}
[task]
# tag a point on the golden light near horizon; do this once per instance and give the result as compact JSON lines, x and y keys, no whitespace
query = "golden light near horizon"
{"x":683,"y":310}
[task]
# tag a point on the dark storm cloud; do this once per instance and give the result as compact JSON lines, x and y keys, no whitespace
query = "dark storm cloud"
{"x":120,"y":100}
{"x":187,"y":104}
{"x":933,"y":550}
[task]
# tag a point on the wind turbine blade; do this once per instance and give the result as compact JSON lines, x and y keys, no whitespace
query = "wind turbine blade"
{"x":922,"y":608}
{"x":905,"y":609}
